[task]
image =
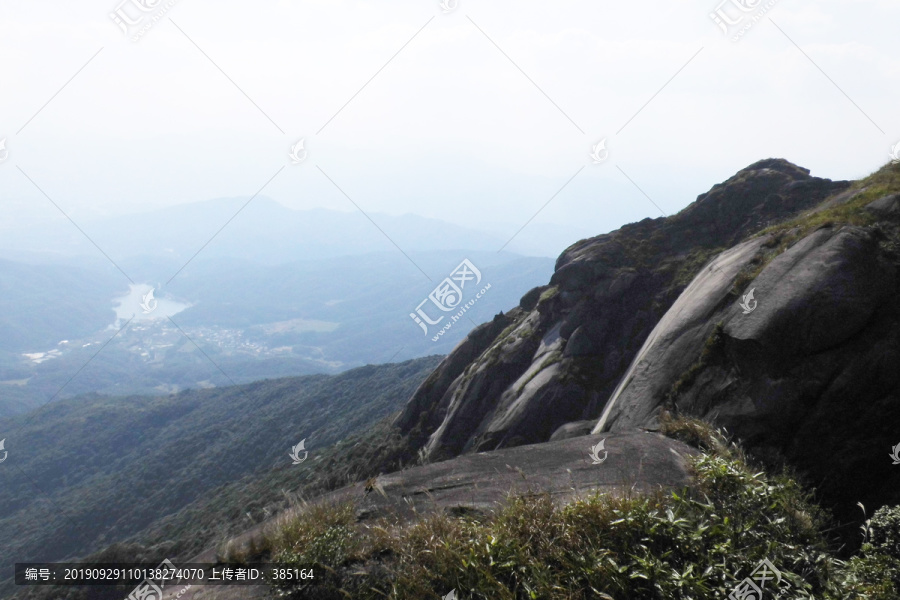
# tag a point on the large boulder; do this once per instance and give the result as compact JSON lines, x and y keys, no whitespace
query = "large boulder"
{"x":807,"y":370}
{"x":676,"y":342}
{"x":632,"y":462}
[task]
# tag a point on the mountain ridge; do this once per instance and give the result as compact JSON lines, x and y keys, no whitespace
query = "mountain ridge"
{"x":537,"y":363}
{"x":658,"y":317}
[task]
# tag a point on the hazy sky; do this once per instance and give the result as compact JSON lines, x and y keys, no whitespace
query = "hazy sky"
{"x":481,"y":116}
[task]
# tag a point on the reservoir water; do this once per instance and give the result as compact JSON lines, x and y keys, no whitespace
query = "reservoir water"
{"x":136,"y":303}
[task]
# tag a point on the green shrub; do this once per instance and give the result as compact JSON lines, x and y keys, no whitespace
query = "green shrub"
{"x":696,"y":544}
{"x":868,"y":576}
{"x":548,"y":294}
{"x":884,"y":531}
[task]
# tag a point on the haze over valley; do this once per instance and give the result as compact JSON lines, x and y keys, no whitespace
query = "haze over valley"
{"x":302,"y":303}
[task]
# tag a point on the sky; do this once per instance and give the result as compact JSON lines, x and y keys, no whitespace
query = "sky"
{"x":483,"y":114}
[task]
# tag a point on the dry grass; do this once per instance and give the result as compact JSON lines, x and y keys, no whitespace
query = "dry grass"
{"x":677,"y":546}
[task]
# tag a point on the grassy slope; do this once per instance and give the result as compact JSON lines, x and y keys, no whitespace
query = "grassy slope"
{"x":693,"y":545}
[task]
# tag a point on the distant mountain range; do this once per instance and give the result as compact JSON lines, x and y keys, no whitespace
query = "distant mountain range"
{"x":262,"y":231}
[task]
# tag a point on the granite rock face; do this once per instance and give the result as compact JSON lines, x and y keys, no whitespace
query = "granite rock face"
{"x":481,"y":483}
{"x":558,"y":357}
{"x":811,"y":373}
{"x":639,"y":462}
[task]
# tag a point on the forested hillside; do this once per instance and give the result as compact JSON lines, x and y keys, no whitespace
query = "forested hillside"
{"x":87,"y":472}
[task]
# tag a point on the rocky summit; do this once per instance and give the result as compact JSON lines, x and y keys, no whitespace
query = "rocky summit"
{"x":769,"y":306}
